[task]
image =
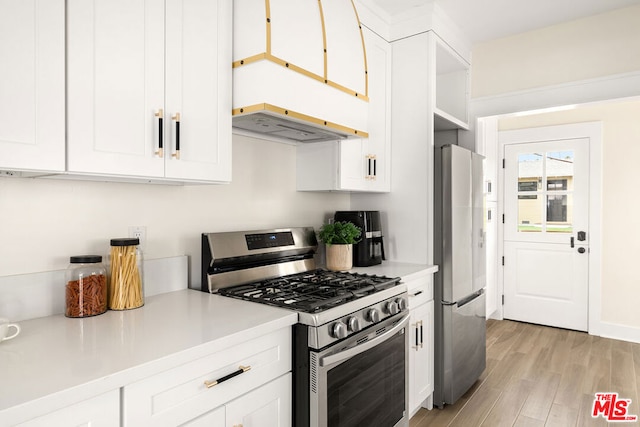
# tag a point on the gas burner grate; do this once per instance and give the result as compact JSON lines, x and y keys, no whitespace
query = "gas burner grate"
{"x":311,"y":291}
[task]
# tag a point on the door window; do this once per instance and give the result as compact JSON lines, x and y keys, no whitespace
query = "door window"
{"x":545,"y":192}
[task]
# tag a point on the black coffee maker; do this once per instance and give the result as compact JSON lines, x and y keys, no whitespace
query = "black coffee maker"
{"x":370,"y":249}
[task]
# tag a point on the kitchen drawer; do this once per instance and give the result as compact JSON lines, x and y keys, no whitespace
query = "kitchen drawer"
{"x":178,"y":395}
{"x":99,"y":411}
{"x":420,"y":290}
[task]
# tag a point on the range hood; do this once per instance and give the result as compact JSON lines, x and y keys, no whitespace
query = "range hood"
{"x":299,"y":70}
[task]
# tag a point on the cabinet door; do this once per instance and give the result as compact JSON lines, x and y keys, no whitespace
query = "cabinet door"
{"x":32,"y":85}
{"x":115,"y":77}
{"x":356,"y":164}
{"x":215,"y":418}
{"x":267,"y":406}
{"x":351,"y":169}
{"x":365,"y":164}
{"x":100,"y":411}
{"x":198,"y":89}
{"x":377,"y":149}
{"x":420,"y":355}
{"x":187,"y":391}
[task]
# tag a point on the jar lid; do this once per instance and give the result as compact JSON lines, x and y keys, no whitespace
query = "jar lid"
{"x":125,"y":241}
{"x":85,"y":259}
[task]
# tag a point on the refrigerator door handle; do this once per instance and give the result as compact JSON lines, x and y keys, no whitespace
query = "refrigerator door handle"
{"x":469,"y":298}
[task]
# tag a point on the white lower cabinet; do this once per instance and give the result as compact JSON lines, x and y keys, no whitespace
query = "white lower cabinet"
{"x":215,"y":418}
{"x":99,"y":411}
{"x":266,"y":406}
{"x":420,"y":343}
{"x":189,"y":395}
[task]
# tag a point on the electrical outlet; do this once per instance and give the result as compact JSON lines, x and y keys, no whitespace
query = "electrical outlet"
{"x":140,"y":232}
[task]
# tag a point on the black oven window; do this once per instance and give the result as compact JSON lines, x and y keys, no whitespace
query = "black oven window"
{"x":369,"y":389}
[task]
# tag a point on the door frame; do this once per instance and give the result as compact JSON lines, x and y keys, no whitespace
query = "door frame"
{"x":592,"y":131}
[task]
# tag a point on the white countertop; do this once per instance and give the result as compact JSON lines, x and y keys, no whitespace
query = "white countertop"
{"x":398,"y":269}
{"x":58,"y":360}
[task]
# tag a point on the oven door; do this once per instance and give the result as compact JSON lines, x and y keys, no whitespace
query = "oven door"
{"x":363,"y":380}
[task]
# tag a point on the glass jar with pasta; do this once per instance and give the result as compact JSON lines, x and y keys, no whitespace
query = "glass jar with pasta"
{"x":126,"y":289}
{"x":86,"y":289}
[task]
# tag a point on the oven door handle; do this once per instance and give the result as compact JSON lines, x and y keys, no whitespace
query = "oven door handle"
{"x":361,"y":348}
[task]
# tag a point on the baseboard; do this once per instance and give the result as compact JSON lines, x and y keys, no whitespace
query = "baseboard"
{"x":620,"y":332}
{"x":28,"y":296}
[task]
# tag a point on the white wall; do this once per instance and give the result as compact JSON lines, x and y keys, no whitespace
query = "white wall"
{"x":43,"y":222}
{"x":589,"y":48}
{"x":590,"y":59}
{"x":620,"y":204}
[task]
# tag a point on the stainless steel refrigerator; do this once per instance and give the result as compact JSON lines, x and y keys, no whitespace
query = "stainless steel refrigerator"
{"x":460,"y":319}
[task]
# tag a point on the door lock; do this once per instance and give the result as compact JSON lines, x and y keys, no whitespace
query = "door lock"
{"x":582,"y":250}
{"x":582,"y":236}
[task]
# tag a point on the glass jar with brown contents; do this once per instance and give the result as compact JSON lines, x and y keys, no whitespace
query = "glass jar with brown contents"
{"x":86,"y":289}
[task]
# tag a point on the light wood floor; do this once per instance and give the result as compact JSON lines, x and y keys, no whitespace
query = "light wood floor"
{"x":541,"y":376}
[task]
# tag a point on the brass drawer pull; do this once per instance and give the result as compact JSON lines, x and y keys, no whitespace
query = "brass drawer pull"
{"x":241,"y":369}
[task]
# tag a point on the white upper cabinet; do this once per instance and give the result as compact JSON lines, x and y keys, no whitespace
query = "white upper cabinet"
{"x":361,"y":165}
{"x":377,"y":148}
{"x":149,"y":98}
{"x":32,"y":74}
{"x":198,"y":89}
{"x":115,"y":86}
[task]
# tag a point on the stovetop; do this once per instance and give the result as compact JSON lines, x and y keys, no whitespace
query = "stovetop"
{"x":312,"y":291}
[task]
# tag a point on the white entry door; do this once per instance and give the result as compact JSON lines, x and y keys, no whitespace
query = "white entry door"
{"x":546,"y":235}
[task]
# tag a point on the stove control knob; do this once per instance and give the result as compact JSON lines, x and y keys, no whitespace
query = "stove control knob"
{"x":339,"y":330}
{"x":373,"y":315}
{"x":353,"y":323}
{"x":402,"y":303}
{"x":391,"y":307}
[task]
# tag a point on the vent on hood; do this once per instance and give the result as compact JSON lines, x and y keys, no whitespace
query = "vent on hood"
{"x":299,"y":70}
{"x":288,"y":129}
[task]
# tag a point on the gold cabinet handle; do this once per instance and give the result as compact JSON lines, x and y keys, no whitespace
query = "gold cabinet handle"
{"x":419,"y":336}
{"x":241,"y":370}
{"x":372,"y":166}
{"x":160,"y":115}
{"x":176,"y":118}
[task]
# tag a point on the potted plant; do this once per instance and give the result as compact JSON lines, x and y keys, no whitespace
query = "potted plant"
{"x":339,"y":238}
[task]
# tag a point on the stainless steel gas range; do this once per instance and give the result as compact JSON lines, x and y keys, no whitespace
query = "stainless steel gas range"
{"x":350,"y":343}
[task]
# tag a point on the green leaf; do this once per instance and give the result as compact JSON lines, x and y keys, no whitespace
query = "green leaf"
{"x":340,"y":233}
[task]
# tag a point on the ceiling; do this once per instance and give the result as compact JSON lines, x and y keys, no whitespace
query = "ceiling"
{"x":483,"y":20}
